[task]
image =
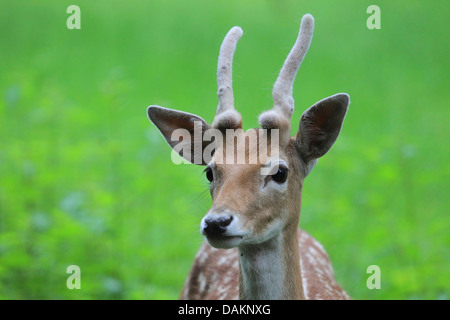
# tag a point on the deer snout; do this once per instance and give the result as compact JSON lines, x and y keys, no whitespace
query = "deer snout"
{"x":215,"y":226}
{"x":222,"y":230}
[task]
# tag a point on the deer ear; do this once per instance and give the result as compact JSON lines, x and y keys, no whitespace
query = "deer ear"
{"x":320,"y":126}
{"x":183,"y":131}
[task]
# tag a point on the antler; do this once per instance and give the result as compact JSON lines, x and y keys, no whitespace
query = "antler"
{"x":283,"y":107}
{"x":226,"y":116}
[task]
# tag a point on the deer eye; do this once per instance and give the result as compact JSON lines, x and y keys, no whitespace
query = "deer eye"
{"x":281,"y":175}
{"x":209,"y":174}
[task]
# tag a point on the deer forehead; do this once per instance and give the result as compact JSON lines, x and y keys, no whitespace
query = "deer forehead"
{"x":252,"y":148}
{"x":237,"y":186}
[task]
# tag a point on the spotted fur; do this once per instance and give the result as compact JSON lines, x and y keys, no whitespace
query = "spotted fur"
{"x":215,"y":273}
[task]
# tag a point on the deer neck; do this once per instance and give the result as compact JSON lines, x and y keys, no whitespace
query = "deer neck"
{"x":271,"y":270}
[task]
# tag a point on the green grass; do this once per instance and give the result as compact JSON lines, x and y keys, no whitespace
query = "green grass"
{"x":85,"y":179}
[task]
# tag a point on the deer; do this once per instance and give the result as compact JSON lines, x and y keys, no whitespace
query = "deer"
{"x":254,"y":248}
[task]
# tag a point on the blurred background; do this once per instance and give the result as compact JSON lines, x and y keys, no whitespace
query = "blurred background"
{"x":87,"y":180}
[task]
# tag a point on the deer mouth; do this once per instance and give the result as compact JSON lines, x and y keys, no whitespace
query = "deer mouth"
{"x":223,"y":241}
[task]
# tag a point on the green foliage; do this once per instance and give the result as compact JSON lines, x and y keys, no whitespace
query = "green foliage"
{"x":85,"y":179}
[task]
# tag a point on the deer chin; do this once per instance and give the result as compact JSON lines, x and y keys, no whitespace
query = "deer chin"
{"x":224,"y":241}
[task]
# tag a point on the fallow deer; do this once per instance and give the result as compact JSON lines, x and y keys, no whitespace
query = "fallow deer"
{"x":254,"y":248}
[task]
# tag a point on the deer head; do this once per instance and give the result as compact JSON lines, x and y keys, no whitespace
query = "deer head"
{"x":250,"y":208}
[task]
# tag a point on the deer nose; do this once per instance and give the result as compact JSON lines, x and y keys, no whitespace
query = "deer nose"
{"x":214,"y":226}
